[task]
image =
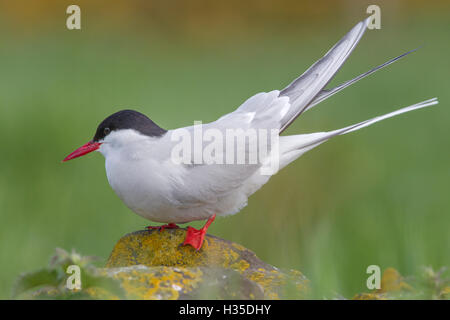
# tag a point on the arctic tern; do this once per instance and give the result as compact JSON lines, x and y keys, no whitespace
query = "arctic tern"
{"x":139,"y":159}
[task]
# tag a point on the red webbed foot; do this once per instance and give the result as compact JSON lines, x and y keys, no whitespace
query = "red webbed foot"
{"x":164,"y":226}
{"x":195,"y":237}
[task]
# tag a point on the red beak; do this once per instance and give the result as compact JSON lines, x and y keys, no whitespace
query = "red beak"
{"x":81,"y":151}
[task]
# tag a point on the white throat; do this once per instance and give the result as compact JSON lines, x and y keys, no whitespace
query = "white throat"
{"x":125,"y":140}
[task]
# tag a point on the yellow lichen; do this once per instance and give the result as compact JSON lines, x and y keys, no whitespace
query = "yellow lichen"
{"x":240,"y":266}
{"x":369,"y":296}
{"x":445,"y":293}
{"x":159,"y":283}
{"x":392,"y":285}
{"x":392,"y":281}
{"x":267,"y":282}
{"x":164,"y":250}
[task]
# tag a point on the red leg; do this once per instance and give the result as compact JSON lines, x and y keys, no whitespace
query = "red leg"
{"x":195,"y":237}
{"x":164,"y":226}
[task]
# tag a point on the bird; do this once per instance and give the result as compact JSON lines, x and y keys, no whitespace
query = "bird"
{"x":139,"y":154}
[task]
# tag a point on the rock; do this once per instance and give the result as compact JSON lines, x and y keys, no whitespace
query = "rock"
{"x":153,"y":265}
{"x":168,"y":283}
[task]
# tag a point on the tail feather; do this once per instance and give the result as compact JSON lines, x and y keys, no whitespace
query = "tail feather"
{"x":292,"y":147}
{"x":326,"y":93}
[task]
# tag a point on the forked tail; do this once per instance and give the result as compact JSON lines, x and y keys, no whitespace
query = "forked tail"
{"x":292,"y":147}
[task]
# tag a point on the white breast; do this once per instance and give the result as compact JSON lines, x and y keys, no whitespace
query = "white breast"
{"x":141,"y":172}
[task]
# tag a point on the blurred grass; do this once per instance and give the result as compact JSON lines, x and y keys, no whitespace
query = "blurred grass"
{"x":380,"y":196}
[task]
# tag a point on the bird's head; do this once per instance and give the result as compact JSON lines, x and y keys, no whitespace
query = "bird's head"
{"x":120,"y":128}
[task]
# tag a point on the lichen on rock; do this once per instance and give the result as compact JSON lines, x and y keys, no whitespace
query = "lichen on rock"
{"x":153,"y":265}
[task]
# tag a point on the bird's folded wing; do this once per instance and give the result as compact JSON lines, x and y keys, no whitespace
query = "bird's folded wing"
{"x":277,"y":109}
{"x":306,"y":87}
{"x":200,"y":182}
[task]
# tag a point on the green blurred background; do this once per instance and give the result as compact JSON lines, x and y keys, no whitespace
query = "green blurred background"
{"x":379,"y":196}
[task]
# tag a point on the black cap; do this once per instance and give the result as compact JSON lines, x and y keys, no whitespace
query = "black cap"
{"x":128,"y":119}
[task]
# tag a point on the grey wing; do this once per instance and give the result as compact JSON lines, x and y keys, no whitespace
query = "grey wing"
{"x":278,"y":109}
{"x":306,"y":87}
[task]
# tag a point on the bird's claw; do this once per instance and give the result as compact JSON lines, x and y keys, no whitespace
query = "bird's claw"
{"x":162,"y":227}
{"x":195,"y":237}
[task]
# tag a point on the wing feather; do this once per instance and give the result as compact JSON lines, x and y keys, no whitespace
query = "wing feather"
{"x":306,"y":87}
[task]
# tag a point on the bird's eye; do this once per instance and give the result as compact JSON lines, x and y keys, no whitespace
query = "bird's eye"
{"x":106,"y":131}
